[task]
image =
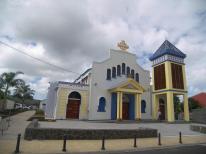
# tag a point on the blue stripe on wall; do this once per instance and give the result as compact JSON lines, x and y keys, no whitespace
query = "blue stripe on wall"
{"x":113,"y":106}
{"x":131,"y":107}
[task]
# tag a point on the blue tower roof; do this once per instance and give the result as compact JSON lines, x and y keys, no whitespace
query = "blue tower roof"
{"x":169,"y":49}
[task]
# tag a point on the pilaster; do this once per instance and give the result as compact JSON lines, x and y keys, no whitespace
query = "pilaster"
{"x":170,"y":107}
{"x":118,"y":105}
{"x":186,"y":108}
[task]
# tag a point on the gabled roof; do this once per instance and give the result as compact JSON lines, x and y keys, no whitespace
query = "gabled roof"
{"x":167,"y":48}
{"x":201,"y":99}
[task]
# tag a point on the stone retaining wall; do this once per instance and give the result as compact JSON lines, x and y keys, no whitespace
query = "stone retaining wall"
{"x":199,"y":115}
{"x":198,"y":128}
{"x":86,"y":134}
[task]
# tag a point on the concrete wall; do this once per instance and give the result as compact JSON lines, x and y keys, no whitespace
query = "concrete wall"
{"x":9,"y":104}
{"x":99,"y":84}
{"x":51,"y":101}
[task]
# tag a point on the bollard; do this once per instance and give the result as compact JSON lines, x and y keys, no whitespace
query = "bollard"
{"x":159,"y":139}
{"x":18,"y":144}
{"x":180,"y":137}
{"x":103,"y":140}
{"x":135,"y":141}
{"x":64,"y":143}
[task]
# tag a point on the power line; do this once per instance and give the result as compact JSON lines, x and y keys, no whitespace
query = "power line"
{"x":45,"y":62}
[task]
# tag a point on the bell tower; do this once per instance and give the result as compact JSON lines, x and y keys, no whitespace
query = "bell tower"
{"x":169,"y":80}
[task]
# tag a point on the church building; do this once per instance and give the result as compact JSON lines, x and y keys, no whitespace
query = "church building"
{"x":118,"y":88}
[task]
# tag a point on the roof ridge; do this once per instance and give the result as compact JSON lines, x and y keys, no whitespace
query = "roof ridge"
{"x":167,"y":48}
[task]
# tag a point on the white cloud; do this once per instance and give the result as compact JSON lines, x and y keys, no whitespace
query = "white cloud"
{"x":74,"y":33}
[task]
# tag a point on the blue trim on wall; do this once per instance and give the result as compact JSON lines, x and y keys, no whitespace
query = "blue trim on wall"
{"x":131,"y":107}
{"x":143,"y":106}
{"x":113,"y":106}
{"x":101,"y":106}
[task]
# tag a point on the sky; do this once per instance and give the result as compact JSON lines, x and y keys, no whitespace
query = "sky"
{"x":72,"y":34}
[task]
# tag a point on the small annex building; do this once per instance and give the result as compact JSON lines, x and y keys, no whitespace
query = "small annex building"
{"x":117,"y":88}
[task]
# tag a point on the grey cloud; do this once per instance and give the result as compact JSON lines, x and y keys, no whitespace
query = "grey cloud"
{"x":75,"y":33}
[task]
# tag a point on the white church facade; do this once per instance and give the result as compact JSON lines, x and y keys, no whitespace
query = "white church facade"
{"x":117,"y":88}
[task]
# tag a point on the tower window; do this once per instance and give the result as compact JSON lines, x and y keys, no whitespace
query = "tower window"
{"x":137,"y":77}
{"x":128,"y":71}
{"x":132,"y":73}
{"x":113,"y":72}
{"x":108,"y":74}
{"x":177,"y":76}
{"x":102,"y":104}
{"x":159,"y":77}
{"x":118,"y":70}
{"x":123,"y":68}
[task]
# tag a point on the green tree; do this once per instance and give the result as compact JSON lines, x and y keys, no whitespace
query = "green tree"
{"x":8,"y":81}
{"x":177,"y":106}
{"x":193,"y":104}
{"x":1,"y":89}
{"x":23,"y":92}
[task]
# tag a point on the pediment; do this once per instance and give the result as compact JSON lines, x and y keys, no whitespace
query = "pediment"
{"x":129,"y":84}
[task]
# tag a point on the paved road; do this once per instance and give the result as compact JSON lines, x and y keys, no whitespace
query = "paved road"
{"x":192,"y":149}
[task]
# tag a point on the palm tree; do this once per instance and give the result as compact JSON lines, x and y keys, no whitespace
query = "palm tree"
{"x":1,"y":88}
{"x":23,"y":92}
{"x":8,"y":80}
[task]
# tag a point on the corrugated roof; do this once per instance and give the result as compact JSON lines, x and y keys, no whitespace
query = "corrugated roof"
{"x":167,"y":48}
{"x":82,"y":74}
{"x":72,"y":83}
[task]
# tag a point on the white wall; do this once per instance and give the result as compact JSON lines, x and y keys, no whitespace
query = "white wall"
{"x":51,"y":101}
{"x":10,"y":104}
{"x":42,"y":105}
{"x":99,"y":84}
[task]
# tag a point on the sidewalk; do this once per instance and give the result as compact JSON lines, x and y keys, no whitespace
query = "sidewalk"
{"x":55,"y":146}
{"x":18,"y":124}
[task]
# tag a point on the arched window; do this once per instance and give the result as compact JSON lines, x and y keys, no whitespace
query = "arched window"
{"x":74,"y":95}
{"x":128,"y":70}
{"x":123,"y":68}
{"x":118,"y":70}
{"x":143,"y":106}
{"x":108,"y":74}
{"x":137,"y":77}
{"x":114,"y":72}
{"x":102,"y":104}
{"x":132,"y":73}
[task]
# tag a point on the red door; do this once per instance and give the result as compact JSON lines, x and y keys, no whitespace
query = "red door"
{"x":73,"y":109}
{"x":125,"y":111}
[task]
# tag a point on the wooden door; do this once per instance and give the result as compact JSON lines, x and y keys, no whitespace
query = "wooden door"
{"x":162,"y":110}
{"x":73,"y":109}
{"x":125,"y":111}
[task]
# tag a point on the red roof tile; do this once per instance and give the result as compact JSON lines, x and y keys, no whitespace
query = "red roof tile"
{"x":201,"y":99}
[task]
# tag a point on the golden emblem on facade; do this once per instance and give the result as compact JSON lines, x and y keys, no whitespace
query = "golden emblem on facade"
{"x":123,"y":45}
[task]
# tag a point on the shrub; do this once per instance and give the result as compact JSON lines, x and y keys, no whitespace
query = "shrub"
{"x":39,"y":112}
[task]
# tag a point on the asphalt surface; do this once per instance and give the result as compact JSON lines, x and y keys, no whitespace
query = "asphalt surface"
{"x":192,"y":149}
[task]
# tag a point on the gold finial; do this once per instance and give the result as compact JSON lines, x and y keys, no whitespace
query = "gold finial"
{"x":123,"y":45}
